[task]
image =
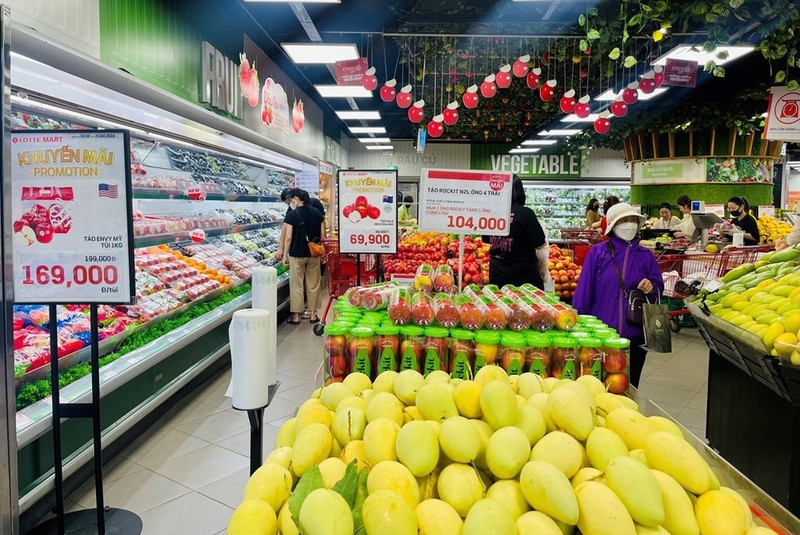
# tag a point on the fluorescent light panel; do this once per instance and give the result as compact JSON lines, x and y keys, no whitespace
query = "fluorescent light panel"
{"x":310,"y":53}
{"x":561,"y":132}
{"x":359,"y":115}
{"x":696,"y":53}
{"x":367,"y":129}
{"x":380,"y":147}
{"x":609,"y":94}
{"x":539,"y":142}
{"x":300,"y":1}
{"x":342,"y":91}
{"x":572,"y":118}
{"x":523,"y":151}
{"x":374,"y":139}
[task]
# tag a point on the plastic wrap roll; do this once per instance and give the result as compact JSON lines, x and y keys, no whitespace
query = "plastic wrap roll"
{"x":265,"y":297}
{"x":250,"y":376}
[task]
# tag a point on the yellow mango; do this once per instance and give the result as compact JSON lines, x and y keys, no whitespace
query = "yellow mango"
{"x":487,"y":517}
{"x":286,"y":434}
{"x":638,"y":489}
{"x":467,"y":397}
{"x":460,"y":486}
{"x":560,"y":450}
{"x":548,"y":490}
{"x":435,"y":402}
{"x":435,"y":517}
{"x":385,"y":405}
{"x":508,"y":493}
{"x":531,"y":421}
{"x":719,"y":513}
{"x":676,"y":457}
{"x":499,"y":404}
{"x":334,"y":393}
{"x":325,"y":512}
{"x":659,"y":423}
{"x":253,"y":516}
{"x":570,"y":412}
{"x":418,"y":448}
{"x":601,"y":511}
{"x":604,"y":445}
{"x":631,"y":426}
{"x":311,"y":447}
{"x":394,"y":476}
{"x":538,"y":523}
{"x":385,"y":511}
{"x":459,"y":440}
{"x":539,"y":401}
{"x":270,"y":483}
{"x":355,"y":451}
{"x":380,"y":441}
{"x":586,"y":474}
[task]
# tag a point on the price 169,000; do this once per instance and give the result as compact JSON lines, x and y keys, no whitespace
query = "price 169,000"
{"x":93,"y":274}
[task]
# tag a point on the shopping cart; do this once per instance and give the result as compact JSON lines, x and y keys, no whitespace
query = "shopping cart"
{"x":580,"y":240}
{"x":345,"y":270}
{"x":686,"y":274}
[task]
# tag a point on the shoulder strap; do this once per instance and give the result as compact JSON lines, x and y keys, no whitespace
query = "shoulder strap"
{"x":303,"y":224}
{"x":616,"y":268}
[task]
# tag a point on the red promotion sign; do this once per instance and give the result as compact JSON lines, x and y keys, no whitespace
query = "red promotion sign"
{"x":680,"y":73}
{"x":351,"y":71}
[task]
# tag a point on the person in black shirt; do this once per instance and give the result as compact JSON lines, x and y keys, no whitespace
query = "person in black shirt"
{"x":302,"y":225}
{"x":521,"y":257}
{"x":739,"y":209}
{"x":285,"y":198}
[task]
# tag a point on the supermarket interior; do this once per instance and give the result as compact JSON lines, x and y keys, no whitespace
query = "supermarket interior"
{"x":345,"y":266}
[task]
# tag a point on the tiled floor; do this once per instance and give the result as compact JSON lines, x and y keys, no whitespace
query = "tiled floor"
{"x":190,"y":472}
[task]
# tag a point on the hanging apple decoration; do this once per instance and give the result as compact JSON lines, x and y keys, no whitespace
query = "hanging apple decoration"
{"x":619,"y":108}
{"x":630,"y":95}
{"x":520,"y":67}
{"x":416,"y":112}
{"x":470,"y":98}
{"x":369,"y":81}
{"x":488,"y":87}
{"x":548,"y":90}
{"x":603,"y":124}
{"x":648,"y":82}
{"x":533,"y":78}
{"x":567,"y":103}
{"x":435,"y":127}
{"x":404,"y":98}
{"x":450,"y":113}
{"x":658,"y":75}
{"x":503,"y":76}
{"x":387,"y":91}
{"x":583,"y":108}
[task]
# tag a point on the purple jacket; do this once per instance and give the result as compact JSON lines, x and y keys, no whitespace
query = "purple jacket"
{"x":599,"y":291}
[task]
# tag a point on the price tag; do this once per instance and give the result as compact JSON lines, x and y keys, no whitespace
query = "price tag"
{"x":367,"y":211}
{"x":72,"y":213}
{"x":465,"y":202}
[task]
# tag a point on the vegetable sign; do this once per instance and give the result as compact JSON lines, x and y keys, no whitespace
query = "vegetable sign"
{"x":367,"y":211}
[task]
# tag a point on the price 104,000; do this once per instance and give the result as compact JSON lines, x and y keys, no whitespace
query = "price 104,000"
{"x":476,"y":223}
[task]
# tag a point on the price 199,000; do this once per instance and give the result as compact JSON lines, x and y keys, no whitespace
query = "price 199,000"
{"x":93,"y":274}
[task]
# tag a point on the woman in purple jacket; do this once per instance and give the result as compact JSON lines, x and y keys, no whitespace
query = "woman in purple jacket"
{"x":599,"y":292}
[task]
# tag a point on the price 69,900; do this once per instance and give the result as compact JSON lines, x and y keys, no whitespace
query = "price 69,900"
{"x":476,"y":223}
{"x":94,"y":274}
{"x":370,"y":239}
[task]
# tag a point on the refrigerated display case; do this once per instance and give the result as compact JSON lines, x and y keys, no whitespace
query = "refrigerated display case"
{"x":203,"y":219}
{"x":564,"y":206}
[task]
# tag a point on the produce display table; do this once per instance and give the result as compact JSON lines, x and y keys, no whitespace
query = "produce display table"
{"x":753,"y":416}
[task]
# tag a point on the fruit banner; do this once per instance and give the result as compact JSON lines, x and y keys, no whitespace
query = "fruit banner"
{"x":73,"y":222}
{"x":745,"y":170}
{"x":367,"y":211}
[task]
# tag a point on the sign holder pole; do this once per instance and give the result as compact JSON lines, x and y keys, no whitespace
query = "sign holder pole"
{"x":461,"y":261}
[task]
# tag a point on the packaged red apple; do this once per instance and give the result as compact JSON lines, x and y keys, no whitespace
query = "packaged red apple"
{"x":443,"y":279}
{"x":387,"y":348}
{"x":355,"y":295}
{"x":378,"y":298}
{"x":470,"y":315}
{"x":423,"y":279}
{"x":564,"y":357}
{"x":537,"y":354}
{"x":445,"y":310}
{"x":422,"y":309}
{"x":512,"y":353}
{"x":519,"y":317}
{"x":412,"y":339}
{"x":540,"y":317}
{"x":362,"y":351}
{"x":400,"y":306}
{"x":616,"y":364}
{"x":566,"y":317}
{"x":494,"y":317}
{"x":590,"y":357}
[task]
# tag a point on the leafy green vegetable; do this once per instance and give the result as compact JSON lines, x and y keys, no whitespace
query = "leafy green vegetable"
{"x":361,"y":495}
{"x":33,"y":391}
{"x":348,"y":485}
{"x":311,"y":481}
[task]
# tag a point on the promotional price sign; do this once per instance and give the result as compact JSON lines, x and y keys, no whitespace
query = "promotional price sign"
{"x":73,"y":223}
{"x":367,"y":211}
{"x":466,"y":202}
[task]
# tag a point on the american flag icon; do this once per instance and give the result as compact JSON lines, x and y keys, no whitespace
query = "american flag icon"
{"x":110,"y":191}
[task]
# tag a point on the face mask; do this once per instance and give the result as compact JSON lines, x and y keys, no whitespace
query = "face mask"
{"x":292,"y":205}
{"x":596,"y":207}
{"x":626,"y":231}
{"x":736,"y":213}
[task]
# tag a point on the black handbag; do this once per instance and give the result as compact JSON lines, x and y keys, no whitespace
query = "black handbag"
{"x":635,"y":298}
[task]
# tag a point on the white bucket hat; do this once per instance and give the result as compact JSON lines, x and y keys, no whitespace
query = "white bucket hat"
{"x":619,"y":211}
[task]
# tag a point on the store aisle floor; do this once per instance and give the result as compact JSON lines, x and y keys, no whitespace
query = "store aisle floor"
{"x":187,"y":475}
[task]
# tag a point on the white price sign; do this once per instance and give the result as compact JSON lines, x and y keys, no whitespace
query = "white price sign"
{"x":367,"y":211}
{"x":73,"y":225}
{"x":465,"y":201}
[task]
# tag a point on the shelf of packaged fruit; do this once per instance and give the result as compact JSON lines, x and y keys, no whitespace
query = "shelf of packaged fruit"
{"x":35,"y":420}
{"x":171,"y":237}
{"x":157,"y":193}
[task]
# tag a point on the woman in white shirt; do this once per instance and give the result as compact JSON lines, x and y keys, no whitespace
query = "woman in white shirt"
{"x":792,"y":239}
{"x":685,"y":228}
{"x":667,"y":221}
